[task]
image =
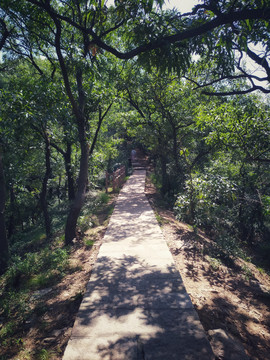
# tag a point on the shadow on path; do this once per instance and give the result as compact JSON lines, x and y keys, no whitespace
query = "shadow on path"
{"x":135,"y":305}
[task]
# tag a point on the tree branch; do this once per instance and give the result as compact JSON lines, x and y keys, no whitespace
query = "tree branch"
{"x":237,"y":92}
{"x":61,"y":151}
{"x":101,"y":117}
{"x":134,"y":104}
{"x":221,"y":19}
{"x":64,"y":69}
{"x":260,"y":61}
{"x":267,"y":161}
{"x":4,"y":35}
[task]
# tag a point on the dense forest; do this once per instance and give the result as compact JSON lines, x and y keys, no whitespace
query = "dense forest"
{"x":84,"y":82}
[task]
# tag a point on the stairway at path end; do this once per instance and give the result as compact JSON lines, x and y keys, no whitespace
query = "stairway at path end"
{"x":139,"y":160}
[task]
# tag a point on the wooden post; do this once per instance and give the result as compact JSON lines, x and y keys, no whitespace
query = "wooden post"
{"x":114,"y":181}
{"x":118,"y":177}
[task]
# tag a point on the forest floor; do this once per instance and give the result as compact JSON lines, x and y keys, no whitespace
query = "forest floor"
{"x":228,"y":293}
{"x":45,"y":334}
{"x":232,"y":295}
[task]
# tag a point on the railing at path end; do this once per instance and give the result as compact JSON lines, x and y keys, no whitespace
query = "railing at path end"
{"x":116,"y":179}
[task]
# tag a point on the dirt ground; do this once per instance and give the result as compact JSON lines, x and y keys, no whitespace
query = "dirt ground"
{"x":234,"y":297}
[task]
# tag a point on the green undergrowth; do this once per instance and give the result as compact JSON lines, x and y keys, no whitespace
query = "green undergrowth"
{"x":27,"y":274}
{"x":93,"y":205}
{"x":224,"y":249}
{"x":38,"y":264}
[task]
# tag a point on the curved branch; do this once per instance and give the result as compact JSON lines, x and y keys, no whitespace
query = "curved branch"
{"x":187,"y":34}
{"x":62,"y":64}
{"x":5,"y":34}
{"x":101,"y":117}
{"x":222,"y":19}
{"x":258,"y":60}
{"x":237,"y":92}
{"x":266,"y":161}
{"x":229,"y":77}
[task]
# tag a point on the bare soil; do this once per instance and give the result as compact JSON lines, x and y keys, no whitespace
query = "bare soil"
{"x":231,"y":294}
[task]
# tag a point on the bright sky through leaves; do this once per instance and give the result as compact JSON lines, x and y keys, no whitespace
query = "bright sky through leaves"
{"x":182,"y":5}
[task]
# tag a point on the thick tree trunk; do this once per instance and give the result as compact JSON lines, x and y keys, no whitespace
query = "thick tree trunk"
{"x":70,"y":231}
{"x":86,"y":152}
{"x":78,"y":108}
{"x":4,"y":251}
{"x":44,"y":191}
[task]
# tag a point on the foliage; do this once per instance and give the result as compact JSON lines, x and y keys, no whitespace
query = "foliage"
{"x":204,"y":200}
{"x":71,"y":108}
{"x":37,"y":269}
{"x":59,"y":102}
{"x":229,"y":196}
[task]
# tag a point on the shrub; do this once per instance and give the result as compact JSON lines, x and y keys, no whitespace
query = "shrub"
{"x":205,"y":200}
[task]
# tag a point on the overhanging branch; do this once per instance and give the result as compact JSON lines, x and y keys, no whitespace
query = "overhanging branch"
{"x":237,"y":92}
{"x":4,"y":35}
{"x":219,"y":20}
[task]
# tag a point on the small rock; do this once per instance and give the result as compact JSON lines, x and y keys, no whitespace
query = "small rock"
{"x":226,"y":347}
{"x":29,"y":323}
{"x":48,"y":340}
{"x":56,"y":333}
{"x":59,"y":332}
{"x":39,"y":293}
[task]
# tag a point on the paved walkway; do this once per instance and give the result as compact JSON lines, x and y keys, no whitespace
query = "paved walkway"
{"x":136,"y":306}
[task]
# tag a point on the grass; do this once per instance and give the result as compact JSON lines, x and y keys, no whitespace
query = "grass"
{"x":34,"y":271}
{"x":159,"y":218}
{"x":214,"y":263}
{"x":37,"y":264}
{"x":8,"y":329}
{"x":89,"y":243}
{"x":104,"y":198}
{"x":261,"y":270}
{"x":44,"y":354}
{"x":110,"y":210}
{"x":246,"y":272}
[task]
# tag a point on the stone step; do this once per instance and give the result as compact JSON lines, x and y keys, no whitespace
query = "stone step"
{"x":138,"y":168}
{"x":139,"y":164}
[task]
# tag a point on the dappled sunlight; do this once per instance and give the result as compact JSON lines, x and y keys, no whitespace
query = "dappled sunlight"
{"x":135,"y":305}
{"x":247,"y":323}
{"x":230,"y":295}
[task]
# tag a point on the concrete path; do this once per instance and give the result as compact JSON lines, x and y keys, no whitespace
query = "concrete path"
{"x":136,"y":306}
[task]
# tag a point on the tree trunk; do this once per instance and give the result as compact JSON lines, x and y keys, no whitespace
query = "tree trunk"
{"x":71,"y":187}
{"x":70,"y":231}
{"x":67,"y":160}
{"x":44,"y":191}
{"x":175,"y":150}
{"x":78,"y":108}
{"x":4,"y":251}
{"x":86,"y":152}
{"x":164,"y":176}
{"x":11,"y":222}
